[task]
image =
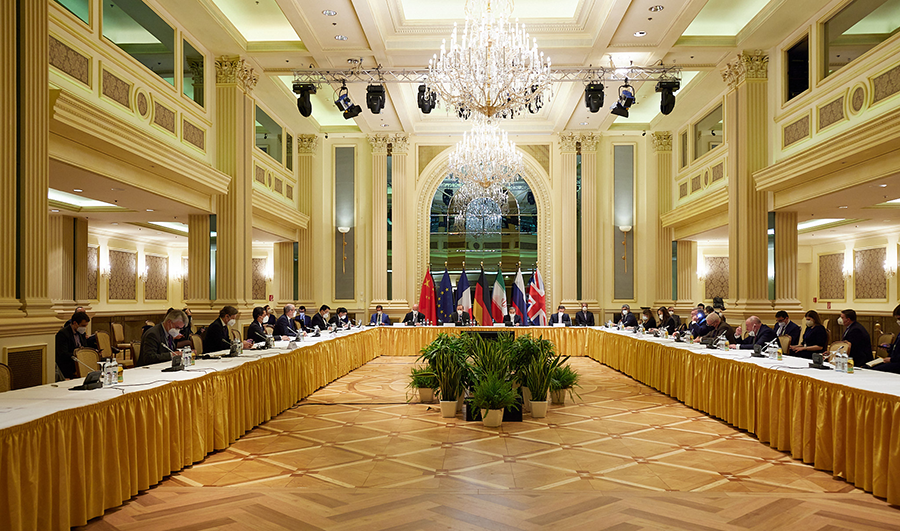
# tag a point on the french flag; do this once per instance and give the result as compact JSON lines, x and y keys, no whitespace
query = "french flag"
{"x":518,"y":296}
{"x":537,"y":305}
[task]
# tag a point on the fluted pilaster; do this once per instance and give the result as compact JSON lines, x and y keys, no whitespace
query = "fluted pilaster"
{"x":198,"y":261}
{"x":786,"y":292}
{"x":306,"y":149}
{"x":284,"y":273}
{"x":401,"y":189}
{"x":81,"y":262}
{"x":687,"y":269}
{"x":33,"y":156}
{"x":379,"y":217}
{"x":9,"y":302}
{"x":568,"y":206}
{"x":662,"y":144}
{"x":590,"y":252}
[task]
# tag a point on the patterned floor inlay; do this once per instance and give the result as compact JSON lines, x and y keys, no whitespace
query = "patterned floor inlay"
{"x":623,"y":457}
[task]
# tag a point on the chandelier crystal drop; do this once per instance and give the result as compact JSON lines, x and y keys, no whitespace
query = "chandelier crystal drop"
{"x":494,"y":69}
{"x":485,"y":157}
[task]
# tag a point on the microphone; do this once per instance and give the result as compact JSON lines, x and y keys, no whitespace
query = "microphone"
{"x":88,"y":367}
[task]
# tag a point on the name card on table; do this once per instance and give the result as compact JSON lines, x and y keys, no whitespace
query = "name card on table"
{"x":399,"y":325}
{"x":559,"y":325}
{"x":449,"y":324}
{"x":498,"y":324}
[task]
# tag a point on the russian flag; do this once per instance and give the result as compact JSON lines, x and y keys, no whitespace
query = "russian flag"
{"x":518,"y":296}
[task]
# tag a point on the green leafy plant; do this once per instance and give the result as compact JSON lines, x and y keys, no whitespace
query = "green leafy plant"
{"x":539,"y":373}
{"x":494,"y":392}
{"x":490,"y":357}
{"x":446,"y":359}
{"x":523,"y":351}
{"x":564,"y":378}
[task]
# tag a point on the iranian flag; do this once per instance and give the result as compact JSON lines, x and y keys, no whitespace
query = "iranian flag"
{"x":498,"y":298}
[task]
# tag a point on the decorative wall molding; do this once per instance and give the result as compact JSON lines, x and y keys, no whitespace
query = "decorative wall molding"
{"x":716,"y":281}
{"x":662,"y":141}
{"x":831,"y":113}
{"x":831,"y":277}
{"x":796,"y":131}
{"x":157,"y":286}
{"x":232,"y":70}
{"x":122,"y":275}
{"x":70,"y":61}
{"x":868,"y":274}
{"x":307,"y":143}
{"x":400,"y":144}
{"x":164,"y":117}
{"x":116,"y":89}
{"x":193,"y":135}
{"x":258,"y":289}
{"x":568,"y":142}
{"x":886,"y":85}
{"x":379,"y":143}
{"x":745,"y":66}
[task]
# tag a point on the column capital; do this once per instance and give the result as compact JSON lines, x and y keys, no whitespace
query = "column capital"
{"x":746,"y":66}
{"x":568,"y":142}
{"x":379,"y":143}
{"x":399,"y":144}
{"x":589,"y":142}
{"x":232,"y":70}
{"x":662,"y":141}
{"x":307,"y":144}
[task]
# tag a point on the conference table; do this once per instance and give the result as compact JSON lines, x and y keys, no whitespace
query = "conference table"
{"x":67,"y":456}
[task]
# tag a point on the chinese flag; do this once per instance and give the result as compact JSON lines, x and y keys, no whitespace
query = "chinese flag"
{"x":427,"y":300}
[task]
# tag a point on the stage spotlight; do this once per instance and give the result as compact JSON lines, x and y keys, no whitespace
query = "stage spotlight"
{"x":375,"y":98}
{"x":667,"y":89}
{"x":427,"y":100}
{"x":344,"y":104}
{"x":593,"y":97}
{"x":304,"y":105}
{"x":626,"y":100}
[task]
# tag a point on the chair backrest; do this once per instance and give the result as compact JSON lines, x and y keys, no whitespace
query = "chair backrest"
{"x":5,"y":378}
{"x":884,"y":339}
{"x":104,"y":344}
{"x":89,"y":357}
{"x":785,"y":343}
{"x":836,"y":346}
{"x":235,"y":334}
{"x":135,"y":351}
{"x":118,"y":332}
{"x":270,"y":330}
{"x":825,"y":323}
{"x":197,"y":343}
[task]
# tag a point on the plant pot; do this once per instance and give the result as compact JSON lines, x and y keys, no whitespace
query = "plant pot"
{"x":558,"y":397}
{"x":538,"y":409}
{"x":493,"y":418}
{"x":448,"y":409}
{"x":426,"y":395}
{"x":459,"y":402}
{"x":526,"y":399}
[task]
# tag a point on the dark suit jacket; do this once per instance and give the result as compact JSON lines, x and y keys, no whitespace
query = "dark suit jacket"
{"x":669,"y":325}
{"x":584,"y":318}
{"x":256,"y":332}
{"x":153,"y":346}
{"x":554,"y":318}
{"x":713,"y":334}
{"x":860,"y":344}
{"x":65,"y":349}
{"x":420,"y":317}
{"x":455,"y":318}
{"x":284,"y":326}
{"x":270,"y":320}
{"x":342,"y":323}
{"x":385,"y":320}
{"x":218,"y":337}
{"x":699,"y":329}
{"x":304,"y":321}
{"x":763,"y":335}
{"x":629,"y":319}
{"x":791,"y":329}
{"x":509,"y":322}
{"x":650,"y":323}
{"x":318,"y":320}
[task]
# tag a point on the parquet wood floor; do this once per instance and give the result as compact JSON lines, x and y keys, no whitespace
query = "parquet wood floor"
{"x":622,"y":457}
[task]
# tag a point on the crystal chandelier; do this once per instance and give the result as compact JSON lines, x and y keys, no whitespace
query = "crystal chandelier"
{"x":485,"y":157}
{"x":495,"y":69}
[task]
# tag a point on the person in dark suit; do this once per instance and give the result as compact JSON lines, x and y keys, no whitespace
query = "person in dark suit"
{"x":414,"y":316}
{"x":784,"y":326}
{"x":269,"y":318}
{"x":304,"y":321}
{"x":77,"y":310}
{"x":512,"y":318}
{"x":584,"y":317}
{"x":320,"y":319}
{"x":815,"y":338}
{"x":858,"y":337}
{"x":218,"y":333}
{"x":647,"y":319}
{"x":893,"y":362}
{"x":666,"y":322}
{"x":255,"y":332}
{"x":757,"y":334}
{"x":379,"y":318}
{"x":158,"y":341}
{"x":460,"y":317}
{"x":340,"y":319}
{"x":284,"y":326}
{"x":183,"y":339}
{"x":717,"y":328}
{"x":675,"y":316}
{"x":71,"y":336}
{"x":628,"y":319}
{"x":560,"y":317}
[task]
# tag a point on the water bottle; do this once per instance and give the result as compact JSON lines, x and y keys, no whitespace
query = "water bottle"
{"x":187,"y":357}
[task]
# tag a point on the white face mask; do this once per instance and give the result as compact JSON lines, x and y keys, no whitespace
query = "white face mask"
{"x":174,"y":332}
{"x":841,"y":321}
{"x":584,"y":309}
{"x":644,"y":318}
{"x":82,"y":329}
{"x":809,"y":322}
{"x":751,"y":333}
{"x":271,"y":311}
{"x":624,"y":312}
{"x":232,"y":322}
{"x":659,"y":316}
{"x":326,"y":315}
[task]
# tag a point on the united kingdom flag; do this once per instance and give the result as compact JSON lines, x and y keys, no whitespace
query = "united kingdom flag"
{"x":537,"y":312}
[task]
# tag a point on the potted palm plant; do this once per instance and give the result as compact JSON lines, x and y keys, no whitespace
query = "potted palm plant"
{"x":521,"y":353}
{"x":424,"y":381}
{"x":563,"y":379}
{"x":539,"y":378}
{"x":493,"y":394}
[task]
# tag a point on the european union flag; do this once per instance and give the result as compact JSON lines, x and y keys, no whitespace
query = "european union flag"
{"x":445,"y":298}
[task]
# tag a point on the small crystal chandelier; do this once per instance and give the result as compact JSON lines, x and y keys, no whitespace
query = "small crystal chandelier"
{"x":485,"y":157}
{"x":494,"y":70}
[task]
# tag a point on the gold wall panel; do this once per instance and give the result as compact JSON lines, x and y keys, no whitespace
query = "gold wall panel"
{"x":157,"y":286}
{"x":116,"y":89}
{"x":716,"y":282}
{"x":122,"y":276}
{"x":164,"y":117}
{"x":193,"y":135}
{"x":886,"y":85}
{"x":70,"y":62}
{"x":831,"y":113}
{"x":868,"y":276}
{"x":831,"y":276}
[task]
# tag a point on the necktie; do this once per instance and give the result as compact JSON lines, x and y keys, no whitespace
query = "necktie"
{"x":77,"y":339}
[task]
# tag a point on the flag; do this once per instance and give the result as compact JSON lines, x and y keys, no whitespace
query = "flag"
{"x":427,"y":299}
{"x":537,"y":312}
{"x":498,"y":298}
{"x":464,"y":294}
{"x":480,"y":311}
{"x":445,"y":298}
{"x":518,"y":296}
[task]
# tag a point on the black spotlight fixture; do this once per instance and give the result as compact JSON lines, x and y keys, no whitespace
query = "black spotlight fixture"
{"x":593,"y":97}
{"x":344,"y":104}
{"x":667,"y":89}
{"x":427,"y":101}
{"x":375,"y":98}
{"x":626,"y":100}
{"x":303,"y":90}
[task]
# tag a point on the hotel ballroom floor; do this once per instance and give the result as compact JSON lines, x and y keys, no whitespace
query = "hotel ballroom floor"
{"x":624,"y":457}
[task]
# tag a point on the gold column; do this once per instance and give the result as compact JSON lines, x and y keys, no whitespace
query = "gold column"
{"x":284,"y":273}
{"x":746,"y":134}
{"x":61,"y":262}
{"x":33,"y":156}
{"x":9,"y":302}
{"x":662,"y":144}
{"x":568,"y":146}
{"x":81,"y":262}
{"x":687,"y":268}
{"x":198,"y":261}
{"x":399,"y":280}
{"x":235,"y":137}
{"x":379,"y":218}
{"x":786,"y":293}
{"x":590,"y":253}
{"x":306,"y":149}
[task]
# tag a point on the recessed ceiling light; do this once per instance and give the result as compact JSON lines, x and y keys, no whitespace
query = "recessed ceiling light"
{"x":340,"y":37}
{"x":329,"y":13}
{"x":384,"y":125}
{"x":883,"y":185}
{"x":114,"y":223}
{"x":54,"y":210}
{"x":640,"y":33}
{"x":149,"y":210}
{"x":656,"y":9}
{"x":78,"y":190}
{"x":583,"y":123}
{"x":844,"y":206}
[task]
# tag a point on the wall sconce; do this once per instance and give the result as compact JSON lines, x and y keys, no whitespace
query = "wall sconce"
{"x":103,"y":258}
{"x":890,"y":271}
{"x":144,"y":273}
{"x":625,"y":229}
{"x":702,"y":271}
{"x":179,"y":273}
{"x":270,"y":270}
{"x":847,"y":271}
{"x":343,"y":231}
{"x":143,"y":269}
